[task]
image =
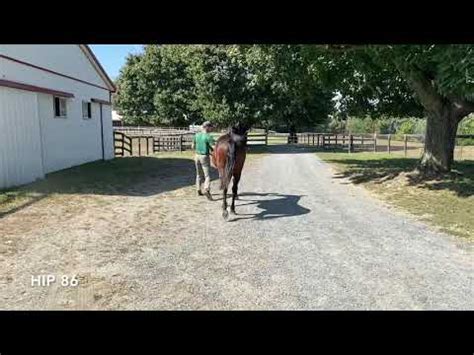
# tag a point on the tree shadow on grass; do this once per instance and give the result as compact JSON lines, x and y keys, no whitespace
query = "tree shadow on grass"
{"x":460,"y":180}
{"x":131,"y":176}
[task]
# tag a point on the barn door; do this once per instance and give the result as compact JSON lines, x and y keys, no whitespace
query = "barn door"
{"x":20,"y":138}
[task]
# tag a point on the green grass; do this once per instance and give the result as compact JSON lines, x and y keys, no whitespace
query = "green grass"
{"x":447,"y":201}
{"x":114,"y":177}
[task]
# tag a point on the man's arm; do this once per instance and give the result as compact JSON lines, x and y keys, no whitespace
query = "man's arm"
{"x":211,"y":142}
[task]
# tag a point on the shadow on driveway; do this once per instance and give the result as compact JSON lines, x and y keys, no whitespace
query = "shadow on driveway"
{"x":276,"y":206}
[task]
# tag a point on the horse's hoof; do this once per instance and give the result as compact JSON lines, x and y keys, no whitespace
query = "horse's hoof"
{"x":232,"y":212}
{"x":225,"y":214}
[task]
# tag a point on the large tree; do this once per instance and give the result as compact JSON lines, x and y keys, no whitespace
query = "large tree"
{"x":439,"y":75}
{"x":292,"y":86}
{"x":380,"y":79}
{"x":293,"y":91}
{"x":224,"y":92}
{"x":156,"y":87}
{"x":134,"y":99}
{"x":259,"y":85}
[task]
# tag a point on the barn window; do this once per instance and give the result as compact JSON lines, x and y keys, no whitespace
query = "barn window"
{"x":60,"y":107}
{"x":86,"y":110}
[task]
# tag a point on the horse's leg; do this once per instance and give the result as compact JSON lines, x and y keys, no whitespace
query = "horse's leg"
{"x":234,"y":192}
{"x":225,"y":214}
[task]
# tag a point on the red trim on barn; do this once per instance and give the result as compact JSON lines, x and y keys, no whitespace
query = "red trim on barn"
{"x":52,"y":72}
{"x":101,"y":70}
{"x":27,"y":87}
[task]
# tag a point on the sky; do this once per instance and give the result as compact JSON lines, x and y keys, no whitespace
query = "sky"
{"x":112,"y":56}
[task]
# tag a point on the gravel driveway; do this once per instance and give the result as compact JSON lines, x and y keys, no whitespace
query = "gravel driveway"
{"x":301,"y":240}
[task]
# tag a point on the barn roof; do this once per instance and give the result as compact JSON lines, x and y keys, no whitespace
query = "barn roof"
{"x":97,"y":66}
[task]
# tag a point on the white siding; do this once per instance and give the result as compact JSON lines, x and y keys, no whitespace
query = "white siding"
{"x":24,"y":74}
{"x":65,"y":59}
{"x":108,"y":132}
{"x":65,"y":142}
{"x":20,"y":145}
{"x":72,"y":140}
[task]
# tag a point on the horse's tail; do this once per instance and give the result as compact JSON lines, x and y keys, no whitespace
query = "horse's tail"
{"x":229,"y":165}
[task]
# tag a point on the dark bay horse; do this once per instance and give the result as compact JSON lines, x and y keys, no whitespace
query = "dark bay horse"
{"x":229,"y":158}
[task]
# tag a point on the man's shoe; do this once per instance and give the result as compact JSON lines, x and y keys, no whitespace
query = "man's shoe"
{"x":208,"y":195}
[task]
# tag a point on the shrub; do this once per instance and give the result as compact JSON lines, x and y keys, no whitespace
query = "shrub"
{"x":466,"y":127}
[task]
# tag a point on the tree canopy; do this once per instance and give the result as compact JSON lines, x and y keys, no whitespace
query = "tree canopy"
{"x":183,"y":84}
{"x":294,"y":86}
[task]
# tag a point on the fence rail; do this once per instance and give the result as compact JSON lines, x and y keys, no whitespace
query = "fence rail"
{"x":257,"y":139}
{"x":151,"y":130}
{"x":139,"y":145}
{"x":122,"y":144}
{"x":410,"y":145}
{"x":179,"y":142}
{"x":144,"y":142}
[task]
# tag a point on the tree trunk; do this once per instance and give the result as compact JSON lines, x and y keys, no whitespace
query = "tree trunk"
{"x":443,"y":116}
{"x":440,"y":139}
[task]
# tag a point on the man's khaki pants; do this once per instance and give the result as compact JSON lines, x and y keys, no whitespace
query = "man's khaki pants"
{"x":203,"y":162}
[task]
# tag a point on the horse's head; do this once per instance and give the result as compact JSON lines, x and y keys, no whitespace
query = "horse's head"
{"x":240,"y":129}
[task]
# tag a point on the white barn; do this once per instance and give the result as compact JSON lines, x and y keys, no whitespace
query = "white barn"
{"x":55,"y":110}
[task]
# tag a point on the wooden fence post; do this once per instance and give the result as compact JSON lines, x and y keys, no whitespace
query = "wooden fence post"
{"x":375,"y":142}
{"x":405,"y":144}
{"x":335,"y":141}
{"x":318,"y":144}
{"x":351,"y":142}
{"x":139,"y":146}
{"x":115,"y":144}
{"x":122,"y":146}
{"x":181,"y":143}
{"x":266,"y":138}
{"x":389,"y":139}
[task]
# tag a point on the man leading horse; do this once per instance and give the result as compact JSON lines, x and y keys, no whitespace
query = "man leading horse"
{"x":228,"y":156}
{"x":203,"y":144}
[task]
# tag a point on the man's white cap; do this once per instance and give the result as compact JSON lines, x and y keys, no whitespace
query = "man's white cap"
{"x":207,"y":124}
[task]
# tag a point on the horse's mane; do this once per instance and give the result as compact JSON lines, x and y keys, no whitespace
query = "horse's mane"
{"x":236,"y":134}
